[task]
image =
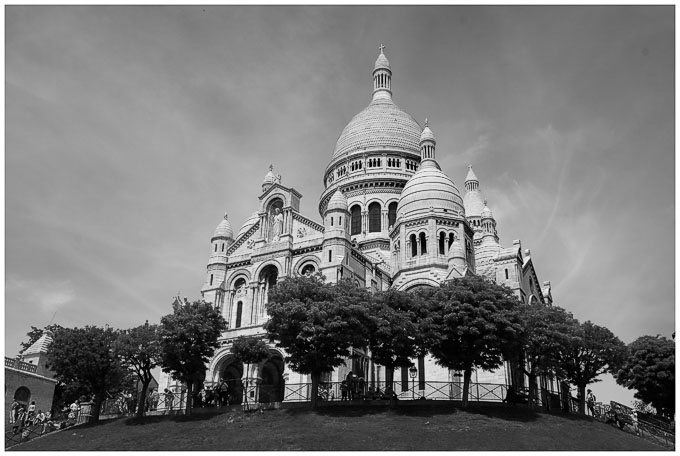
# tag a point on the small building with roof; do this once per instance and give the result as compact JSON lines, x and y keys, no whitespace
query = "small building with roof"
{"x":28,"y":379}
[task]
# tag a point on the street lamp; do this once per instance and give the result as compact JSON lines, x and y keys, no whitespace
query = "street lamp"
{"x":413,"y":372}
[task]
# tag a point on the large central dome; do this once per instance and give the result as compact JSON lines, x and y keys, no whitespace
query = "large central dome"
{"x":380,"y":125}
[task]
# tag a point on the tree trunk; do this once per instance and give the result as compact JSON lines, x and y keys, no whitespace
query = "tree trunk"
{"x":190,"y":387}
{"x":532,"y":391}
{"x":141,"y":406}
{"x":97,"y":406}
{"x":467,"y":375}
{"x":389,"y":384}
{"x":582,"y":399}
{"x":316,"y":377}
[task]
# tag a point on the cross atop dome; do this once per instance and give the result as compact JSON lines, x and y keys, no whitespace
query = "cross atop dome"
{"x":382,"y":48}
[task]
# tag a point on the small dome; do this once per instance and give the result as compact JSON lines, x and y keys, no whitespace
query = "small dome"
{"x":456,"y":250}
{"x":252,"y":220}
{"x":429,"y":188}
{"x":337,"y":202}
{"x":269,"y":178}
{"x":427,"y":134}
{"x":486,"y":212}
{"x":382,"y":62}
{"x":224,"y":229}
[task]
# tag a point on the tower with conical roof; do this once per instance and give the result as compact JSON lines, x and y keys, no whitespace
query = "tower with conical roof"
{"x":336,"y":240}
{"x":222,"y":239}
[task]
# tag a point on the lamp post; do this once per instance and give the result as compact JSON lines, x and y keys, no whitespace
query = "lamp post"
{"x":413,"y":372}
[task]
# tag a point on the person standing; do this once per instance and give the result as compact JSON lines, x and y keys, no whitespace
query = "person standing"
{"x":590,"y":400}
{"x":169,"y":398}
{"x":14,"y":409}
{"x":350,"y":385}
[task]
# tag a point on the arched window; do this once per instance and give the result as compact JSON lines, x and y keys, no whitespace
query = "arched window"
{"x":451,"y":238}
{"x":392,"y":214}
{"x":211,"y":279}
{"x":215,"y":246}
{"x":239,"y":312}
{"x":23,"y":395}
{"x":414,"y":245}
{"x":374,"y":217}
{"x":442,"y":242}
{"x":308,"y":269}
{"x":355,"y":214}
{"x":423,"y":244}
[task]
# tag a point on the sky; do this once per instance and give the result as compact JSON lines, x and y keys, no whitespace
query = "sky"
{"x":130,"y":130}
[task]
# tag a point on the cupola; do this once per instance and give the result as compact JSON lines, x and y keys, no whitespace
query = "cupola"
{"x":224,"y":230}
{"x":382,"y":76}
{"x":427,"y":143}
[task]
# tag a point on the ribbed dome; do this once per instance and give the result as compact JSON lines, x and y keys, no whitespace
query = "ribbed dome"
{"x":252,"y":220}
{"x":429,"y":187}
{"x":380,"y":125}
{"x":337,"y":202}
{"x":224,"y":229}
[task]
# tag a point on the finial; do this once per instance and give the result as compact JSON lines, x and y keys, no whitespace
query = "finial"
{"x":485,"y":202}
{"x":426,"y":121}
{"x":225,"y":216}
{"x":271,"y":167}
{"x":382,"y":47}
{"x":469,"y":166}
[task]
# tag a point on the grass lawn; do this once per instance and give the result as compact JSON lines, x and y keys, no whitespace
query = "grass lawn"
{"x":351,"y":428}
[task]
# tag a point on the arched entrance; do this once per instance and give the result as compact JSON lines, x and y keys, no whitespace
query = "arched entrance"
{"x":22,"y":395}
{"x":272,"y":385}
{"x":232,"y":375}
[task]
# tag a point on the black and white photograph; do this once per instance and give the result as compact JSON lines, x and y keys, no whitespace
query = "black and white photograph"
{"x":339,"y":227}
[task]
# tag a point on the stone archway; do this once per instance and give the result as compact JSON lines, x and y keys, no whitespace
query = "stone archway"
{"x":22,"y":395}
{"x":271,"y":388}
{"x":232,"y":374}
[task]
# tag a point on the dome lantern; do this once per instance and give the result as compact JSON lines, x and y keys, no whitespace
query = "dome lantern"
{"x":382,"y":76}
{"x":427,"y":143}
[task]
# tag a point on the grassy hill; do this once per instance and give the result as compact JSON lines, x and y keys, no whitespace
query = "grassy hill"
{"x":351,"y":428}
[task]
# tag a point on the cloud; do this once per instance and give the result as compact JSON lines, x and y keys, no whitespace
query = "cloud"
{"x":50,"y":296}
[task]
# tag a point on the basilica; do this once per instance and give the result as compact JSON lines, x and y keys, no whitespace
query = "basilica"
{"x":390,"y":218}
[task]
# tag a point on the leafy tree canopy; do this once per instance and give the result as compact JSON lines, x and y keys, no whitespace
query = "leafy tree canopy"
{"x":139,"y":349}
{"x":548,"y":332}
{"x":649,"y":368}
{"x":83,"y":358}
{"x":477,"y":324}
{"x":594,"y":352}
{"x":189,"y":337}
{"x":317,"y":323}
{"x":250,"y":350}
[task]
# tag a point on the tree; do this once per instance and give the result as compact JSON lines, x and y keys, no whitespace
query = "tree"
{"x":83,"y":358}
{"x":595,"y":351}
{"x":649,"y":367}
{"x":477,"y":325}
{"x":139,"y":349}
{"x":396,"y":335}
{"x":548,"y":332}
{"x":35,"y":333}
{"x":317,"y":323}
{"x":249,"y":350}
{"x":189,"y":337}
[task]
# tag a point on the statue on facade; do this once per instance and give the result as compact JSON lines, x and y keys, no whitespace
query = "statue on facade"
{"x":277,"y":224}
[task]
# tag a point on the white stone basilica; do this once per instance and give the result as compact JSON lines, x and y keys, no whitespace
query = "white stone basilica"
{"x":390,"y":218}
